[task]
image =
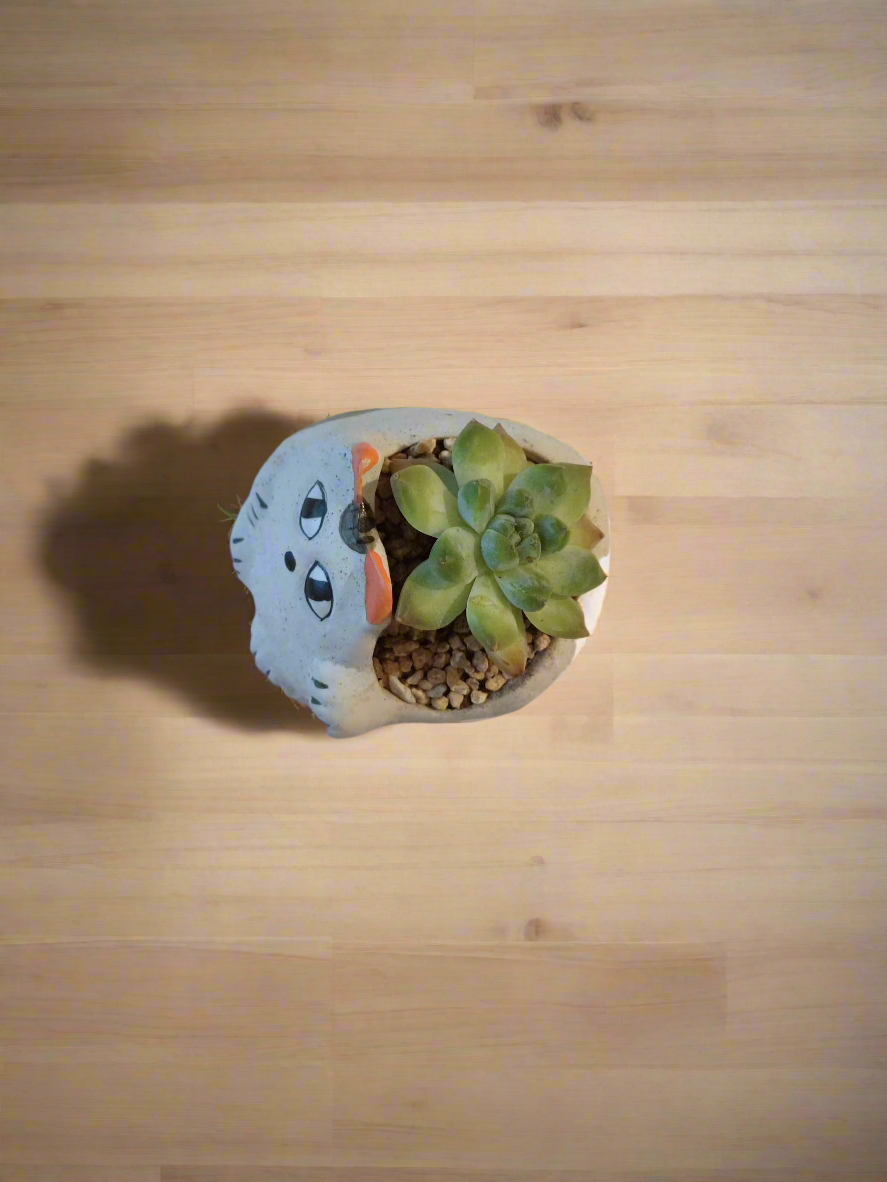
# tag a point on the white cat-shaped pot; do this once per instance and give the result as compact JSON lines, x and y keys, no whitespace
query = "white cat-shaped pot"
{"x":304,"y":545}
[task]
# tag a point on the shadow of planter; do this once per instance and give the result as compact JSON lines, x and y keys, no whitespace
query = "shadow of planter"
{"x":138,"y":548}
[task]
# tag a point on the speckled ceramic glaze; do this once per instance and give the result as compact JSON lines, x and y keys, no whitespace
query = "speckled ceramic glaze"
{"x":304,"y":545}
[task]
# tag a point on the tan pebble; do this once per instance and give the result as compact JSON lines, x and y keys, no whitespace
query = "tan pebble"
{"x":439,"y":660}
{"x":440,"y":704}
{"x":456,"y":700}
{"x":425,"y":684}
{"x":420,"y":696}
{"x":461,"y":626}
{"x":481,"y":662}
{"x":542,"y":642}
{"x":391,"y":668}
{"x":386,"y":464}
{"x":446,"y":457}
{"x":421,"y":658}
{"x":454,"y":677}
{"x":406,"y":664}
{"x":478,"y":697}
{"x":472,"y":683}
{"x":436,"y":676}
{"x":423,"y":448}
{"x":529,"y":636}
{"x":441,"y":646}
{"x":472,"y":644}
{"x":400,"y":690}
{"x":413,"y":679}
{"x":449,"y":442}
{"x":403,"y":648}
{"x":494,"y":683}
{"x":459,"y":660}
{"x":456,"y":641}
{"x":437,"y":691}
{"x":377,"y":667}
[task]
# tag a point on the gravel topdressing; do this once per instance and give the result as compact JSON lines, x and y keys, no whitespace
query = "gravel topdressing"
{"x":446,"y":669}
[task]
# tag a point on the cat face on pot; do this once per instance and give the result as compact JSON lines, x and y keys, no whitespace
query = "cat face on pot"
{"x":304,"y":544}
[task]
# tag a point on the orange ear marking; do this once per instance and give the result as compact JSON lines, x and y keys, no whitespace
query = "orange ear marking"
{"x":363,"y":457}
{"x":378,"y":596}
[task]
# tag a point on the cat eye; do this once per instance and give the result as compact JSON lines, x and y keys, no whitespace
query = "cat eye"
{"x":319,"y":591}
{"x":313,"y":510}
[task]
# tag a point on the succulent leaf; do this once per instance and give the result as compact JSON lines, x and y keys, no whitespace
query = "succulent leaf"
{"x":562,"y":490}
{"x":499,"y":551}
{"x":424,"y":499}
{"x":585,"y":534}
{"x":479,"y":454}
{"x":515,"y":460}
{"x":518,"y":502}
{"x":530,"y":548}
{"x":427,"y":602}
{"x":524,"y":526}
{"x":526,"y":587}
{"x":503,"y":524}
{"x":497,"y":625}
{"x":454,"y":556}
{"x":572,"y":571}
{"x":561,"y":616}
{"x":446,"y":474}
{"x":553,"y":534}
{"x":477,"y":503}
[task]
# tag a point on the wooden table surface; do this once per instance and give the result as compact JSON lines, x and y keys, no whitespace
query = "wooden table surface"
{"x":635,"y":933}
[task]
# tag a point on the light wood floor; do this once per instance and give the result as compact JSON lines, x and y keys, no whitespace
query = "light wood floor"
{"x":637,"y":933}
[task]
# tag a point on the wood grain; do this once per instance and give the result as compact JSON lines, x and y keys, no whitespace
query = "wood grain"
{"x":634,"y":934}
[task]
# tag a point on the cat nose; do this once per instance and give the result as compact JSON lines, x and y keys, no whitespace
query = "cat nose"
{"x":355,"y":526}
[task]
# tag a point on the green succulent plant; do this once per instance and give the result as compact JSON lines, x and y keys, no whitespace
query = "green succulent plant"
{"x":511,"y":542}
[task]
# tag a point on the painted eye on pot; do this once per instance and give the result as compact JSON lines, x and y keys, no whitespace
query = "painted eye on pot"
{"x":319,"y":591}
{"x":313,"y":510}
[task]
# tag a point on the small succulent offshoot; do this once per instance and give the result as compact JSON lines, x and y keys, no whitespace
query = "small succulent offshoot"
{"x":511,"y":542}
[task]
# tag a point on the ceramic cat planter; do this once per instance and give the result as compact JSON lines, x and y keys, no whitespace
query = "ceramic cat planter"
{"x":304,"y":545}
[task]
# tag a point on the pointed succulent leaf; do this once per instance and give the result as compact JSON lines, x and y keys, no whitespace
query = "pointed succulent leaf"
{"x":552,"y":533}
{"x":454,"y":556}
{"x":479,"y":454}
{"x":497,"y":625}
{"x":499,"y":552}
{"x":446,"y":474}
{"x":525,"y":526}
{"x":515,"y":460}
{"x":562,"y":617}
{"x":529,"y":549}
{"x":526,"y":587}
{"x":502,"y":523}
{"x":427,"y":602}
{"x":562,"y":490}
{"x":572,"y":571}
{"x":477,"y":503}
{"x":585,"y":534}
{"x":425,"y":500}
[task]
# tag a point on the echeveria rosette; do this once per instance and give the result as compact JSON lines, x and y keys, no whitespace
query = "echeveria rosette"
{"x":512,"y":541}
